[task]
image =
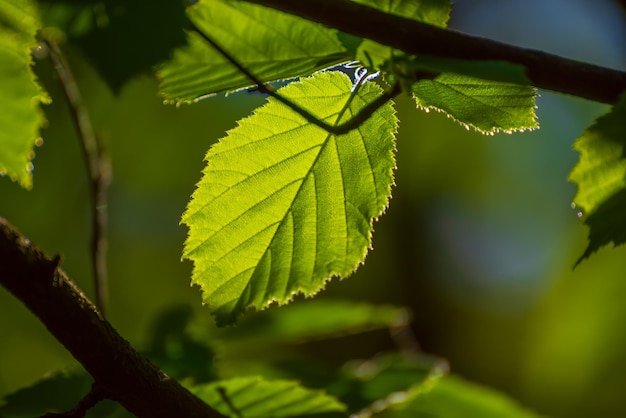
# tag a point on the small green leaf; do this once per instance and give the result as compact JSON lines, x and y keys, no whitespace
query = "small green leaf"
{"x":433,"y":12}
{"x":451,"y":397}
{"x":253,"y":397}
{"x":271,"y":45}
{"x":487,"y":106}
{"x":601,"y":178}
{"x":283,"y":205}
{"x":20,"y":115}
{"x":381,"y":57}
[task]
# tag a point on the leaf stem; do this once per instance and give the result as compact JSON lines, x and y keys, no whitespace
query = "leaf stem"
{"x":98,"y":168}
{"x":340,"y":129}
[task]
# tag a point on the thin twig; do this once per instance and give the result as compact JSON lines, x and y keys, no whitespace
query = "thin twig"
{"x":99,"y":169}
{"x":79,"y":411}
{"x":340,"y":129}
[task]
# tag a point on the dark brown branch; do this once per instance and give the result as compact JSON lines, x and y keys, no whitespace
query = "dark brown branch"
{"x":544,"y":70}
{"x":120,"y":372}
{"x":98,"y":168}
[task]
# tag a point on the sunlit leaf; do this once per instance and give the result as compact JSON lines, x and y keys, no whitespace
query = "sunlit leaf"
{"x":487,"y":106}
{"x":283,"y":205}
{"x":20,"y":115}
{"x":601,"y":178}
{"x":451,"y":397}
{"x":253,"y":397}
{"x":270,"y":44}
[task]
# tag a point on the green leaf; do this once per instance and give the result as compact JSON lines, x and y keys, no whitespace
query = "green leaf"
{"x":323,"y":319}
{"x":433,"y":12}
{"x":253,"y":397}
{"x":451,"y":397}
{"x":57,"y":393}
{"x":381,"y":57}
{"x":363,"y":384}
{"x":118,"y":49}
{"x":20,"y":115}
{"x":283,"y":205}
{"x":271,"y":45}
{"x":487,"y":106}
{"x":601,"y":178}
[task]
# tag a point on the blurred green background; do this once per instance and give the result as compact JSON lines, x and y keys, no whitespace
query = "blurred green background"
{"x":479,"y":241}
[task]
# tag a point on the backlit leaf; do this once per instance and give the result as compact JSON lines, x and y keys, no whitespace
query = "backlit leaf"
{"x":601,"y":178}
{"x":253,"y":397}
{"x":283,"y":205}
{"x":487,"y":106}
{"x":271,"y":45}
{"x":20,"y":115}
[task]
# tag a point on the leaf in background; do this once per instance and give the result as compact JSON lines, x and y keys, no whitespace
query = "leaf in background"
{"x":253,"y":397}
{"x":452,"y":397}
{"x":283,"y":206}
{"x":323,"y":319}
{"x":56,"y":393}
{"x":601,"y":178}
{"x":487,"y":106}
{"x":363,"y":384}
{"x":116,"y":47}
{"x":271,"y":45}
{"x":20,"y":115}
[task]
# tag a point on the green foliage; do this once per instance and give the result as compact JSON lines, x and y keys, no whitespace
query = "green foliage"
{"x":269,"y":44}
{"x":601,"y":178}
{"x":487,"y":106}
{"x":283,"y":205}
{"x":20,"y":116}
{"x":451,"y":397}
{"x":254,"y":397}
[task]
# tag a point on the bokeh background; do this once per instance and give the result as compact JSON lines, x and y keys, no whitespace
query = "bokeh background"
{"x":479,"y":242}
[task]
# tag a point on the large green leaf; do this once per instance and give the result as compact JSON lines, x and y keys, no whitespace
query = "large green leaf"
{"x":253,"y":397}
{"x":487,"y":106}
{"x":271,"y":45}
{"x":20,"y":115}
{"x":601,"y":178}
{"x":451,"y":397}
{"x":283,"y":205}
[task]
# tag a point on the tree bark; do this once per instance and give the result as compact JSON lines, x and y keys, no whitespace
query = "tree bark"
{"x":118,"y":370}
{"x":544,"y":70}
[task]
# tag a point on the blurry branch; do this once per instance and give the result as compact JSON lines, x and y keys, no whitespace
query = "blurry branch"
{"x":98,"y":168}
{"x":120,"y":373}
{"x":544,"y":70}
